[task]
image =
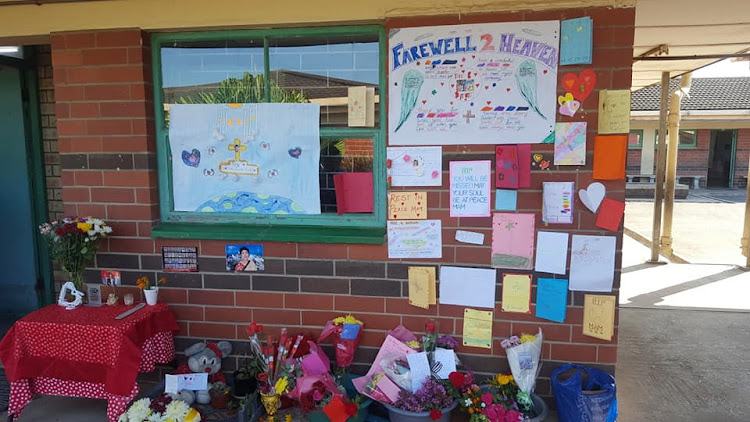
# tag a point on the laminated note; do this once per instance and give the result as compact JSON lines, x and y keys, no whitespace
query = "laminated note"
{"x":592,"y":263}
{"x":477,"y":328}
{"x":513,"y":241}
{"x":614,"y":111}
{"x":551,"y":299}
{"x":516,"y":293}
{"x":407,"y":206}
{"x":599,"y":316}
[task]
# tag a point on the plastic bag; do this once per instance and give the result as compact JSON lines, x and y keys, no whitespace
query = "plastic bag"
{"x":584,"y":394}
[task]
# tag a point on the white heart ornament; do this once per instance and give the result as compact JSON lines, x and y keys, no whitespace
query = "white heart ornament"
{"x":593,"y":196}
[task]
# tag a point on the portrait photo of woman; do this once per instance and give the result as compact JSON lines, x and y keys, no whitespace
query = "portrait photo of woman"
{"x":242,"y":258}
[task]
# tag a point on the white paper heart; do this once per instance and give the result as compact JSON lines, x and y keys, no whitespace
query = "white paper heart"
{"x":593,"y":196}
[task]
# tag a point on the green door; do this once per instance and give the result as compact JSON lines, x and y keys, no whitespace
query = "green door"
{"x":18,"y":264}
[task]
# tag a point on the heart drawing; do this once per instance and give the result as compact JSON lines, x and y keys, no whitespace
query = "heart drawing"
{"x":295,"y":152}
{"x":568,"y":105}
{"x":593,"y":196}
{"x":192,"y":158}
{"x":581,"y":85}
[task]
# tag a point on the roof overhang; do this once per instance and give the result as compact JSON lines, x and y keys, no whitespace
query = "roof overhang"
{"x":687,"y":28}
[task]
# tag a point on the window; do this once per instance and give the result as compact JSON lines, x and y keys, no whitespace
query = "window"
{"x":635,"y":139}
{"x":234,"y":96}
{"x":688,"y":138}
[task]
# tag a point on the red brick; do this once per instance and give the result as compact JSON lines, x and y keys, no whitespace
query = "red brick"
{"x":573,"y":352}
{"x":228,"y":314}
{"x":79,"y":144}
{"x":62,"y":58}
{"x":119,"y":244}
{"x":62,"y":110}
{"x":135,"y":55}
{"x":372,"y":338}
{"x":143,"y":126}
{"x":379,"y":321}
{"x":184,"y":329}
{"x":528,"y":201}
{"x":186,"y":313}
{"x":131,"y":212}
{"x":128,"y":143}
{"x":67,"y":178}
{"x":551,"y":332}
{"x":276,"y":316}
{"x":119,"y":38}
{"x":98,"y":75}
{"x":360,"y":304}
{"x":76,"y":195}
{"x":109,"y":127}
{"x":318,"y":318}
{"x":105,"y":56}
{"x":499,"y":328}
{"x":304,"y":301}
{"x":369,"y":252}
{"x":135,"y":178}
{"x":71,"y":127}
{"x":106,"y":92}
{"x":454,"y":311}
{"x":401,"y":306}
{"x":144,"y":229}
{"x":416,"y":324}
{"x":606,"y":354}
{"x":116,"y":195}
{"x":79,"y":39}
{"x":322,"y":250}
{"x":279,"y":249}
{"x":84,"y":110}
{"x":147,"y":196}
{"x":69,"y":93}
{"x":215,"y":248}
{"x":57,"y":41}
{"x":212,"y":331}
{"x":473,"y":254}
{"x":139,"y":92}
{"x":259,"y":299}
{"x":123,"y":109}
{"x":613,"y":57}
{"x":130,"y":229}
{"x":211,"y":297}
{"x":88,"y":178}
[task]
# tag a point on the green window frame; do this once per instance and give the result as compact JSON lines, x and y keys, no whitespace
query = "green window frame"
{"x":638,"y":133}
{"x":325,"y":227}
{"x":690,"y":135}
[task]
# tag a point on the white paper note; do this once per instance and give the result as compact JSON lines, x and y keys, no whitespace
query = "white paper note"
{"x":474,"y":287}
{"x":470,"y":237}
{"x":592,"y":263}
{"x":415,"y":239}
{"x":551,"y":252}
{"x":557,"y":202}
{"x":419,"y":367}
{"x":445,"y":362}
{"x":415,"y":166}
{"x":194,"y":381}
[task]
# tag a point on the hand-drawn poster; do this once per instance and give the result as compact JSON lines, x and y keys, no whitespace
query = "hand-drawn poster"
{"x":577,"y":41}
{"x":557,"y":202}
{"x":592,"y":263}
{"x":470,"y":188}
{"x":415,"y":239}
{"x":489,"y":83}
{"x":516,"y":293}
{"x":415,"y":166}
{"x":407,"y":205}
{"x":599,"y":316}
{"x":513,"y":241}
{"x":245,"y":158}
{"x":570,"y":144}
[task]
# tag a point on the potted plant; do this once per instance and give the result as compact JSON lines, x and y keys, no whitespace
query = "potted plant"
{"x":150,"y":291}
{"x":219,"y":392}
{"x":245,"y":381}
{"x":432,"y":402}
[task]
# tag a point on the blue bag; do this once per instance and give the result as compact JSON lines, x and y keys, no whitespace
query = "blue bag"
{"x":584,"y":394}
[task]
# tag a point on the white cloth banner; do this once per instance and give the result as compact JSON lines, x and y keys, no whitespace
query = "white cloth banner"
{"x":490,"y":83}
{"x":245,"y":158}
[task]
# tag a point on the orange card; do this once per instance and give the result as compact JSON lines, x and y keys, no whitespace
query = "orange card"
{"x":610,"y":214}
{"x":609,"y":157}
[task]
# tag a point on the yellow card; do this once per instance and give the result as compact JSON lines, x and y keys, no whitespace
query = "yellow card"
{"x":599,"y":316}
{"x":407,"y":206}
{"x":614,"y":111}
{"x":419,"y":290}
{"x":418,"y":274}
{"x":477,"y":328}
{"x":516,"y":293}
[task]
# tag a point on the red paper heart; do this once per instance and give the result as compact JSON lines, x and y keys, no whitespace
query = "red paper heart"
{"x":424,"y":101}
{"x":489,"y":102}
{"x":507,"y":89}
{"x":581,"y":85}
{"x":442,"y":83}
{"x":544,"y":71}
{"x":544,"y":164}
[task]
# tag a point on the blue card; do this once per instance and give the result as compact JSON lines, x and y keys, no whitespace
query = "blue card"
{"x":551,"y":299}
{"x":350,"y":331}
{"x":506,"y":200}
{"x":576,"y":41}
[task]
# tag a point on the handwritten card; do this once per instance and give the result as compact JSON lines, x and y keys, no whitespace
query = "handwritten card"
{"x":419,"y":368}
{"x":470,"y":237}
{"x":468,"y":286}
{"x":576,"y":41}
{"x":415,"y":239}
{"x":407,"y":206}
{"x":570,"y":144}
{"x":516,"y":293}
{"x":599,"y":316}
{"x":513,"y":241}
{"x":447,"y":360}
{"x":194,"y":381}
{"x":557,"y":202}
{"x":592,"y":263}
{"x":610,"y":214}
{"x":551,"y":299}
{"x":477,"y":328}
{"x":470,"y":188}
{"x":506,"y":200}
{"x":422,"y":286}
{"x":551,"y":252}
{"x":614,"y":111}
{"x":361,"y":102}
{"x":415,"y":166}
{"x":506,"y":167}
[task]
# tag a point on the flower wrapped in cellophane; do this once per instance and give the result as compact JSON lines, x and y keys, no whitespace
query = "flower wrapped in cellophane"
{"x":345,"y":332}
{"x":523,"y":357}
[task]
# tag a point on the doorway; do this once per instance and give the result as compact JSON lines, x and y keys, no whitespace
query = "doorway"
{"x":721,"y":159}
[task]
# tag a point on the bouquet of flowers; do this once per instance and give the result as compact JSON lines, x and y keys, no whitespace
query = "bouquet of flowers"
{"x":73,"y":242}
{"x":432,"y":397}
{"x":161,"y":409}
{"x":494,"y":401}
{"x":346,"y":333}
{"x":145,"y":284}
{"x":523,"y":356}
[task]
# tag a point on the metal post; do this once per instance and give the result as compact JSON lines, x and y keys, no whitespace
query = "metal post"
{"x":661,"y":159}
{"x":746,"y":230}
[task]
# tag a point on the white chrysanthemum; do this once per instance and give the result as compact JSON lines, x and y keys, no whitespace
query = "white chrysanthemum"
{"x":155,"y":417}
{"x":107,"y":229}
{"x":123,"y":417}
{"x":177,"y":410}
{"x":139,"y":410}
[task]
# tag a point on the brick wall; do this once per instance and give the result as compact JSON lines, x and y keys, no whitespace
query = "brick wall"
{"x":49,"y":132}
{"x":741,"y":158}
{"x":106,"y":153}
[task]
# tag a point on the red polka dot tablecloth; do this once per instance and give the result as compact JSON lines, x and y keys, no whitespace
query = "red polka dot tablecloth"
{"x":85,"y":352}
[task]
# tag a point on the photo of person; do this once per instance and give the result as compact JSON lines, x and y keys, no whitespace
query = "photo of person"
{"x":244,"y":258}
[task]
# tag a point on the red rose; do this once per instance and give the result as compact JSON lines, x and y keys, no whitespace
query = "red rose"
{"x":436,"y":414}
{"x":457,"y":379}
{"x":430,"y":327}
{"x":388,"y":163}
{"x":350,"y":409}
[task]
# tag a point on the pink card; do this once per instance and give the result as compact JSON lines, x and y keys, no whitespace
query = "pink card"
{"x":506,"y":167}
{"x":353,"y":192}
{"x":390,"y":346}
{"x":610,"y":214}
{"x":513,"y":241}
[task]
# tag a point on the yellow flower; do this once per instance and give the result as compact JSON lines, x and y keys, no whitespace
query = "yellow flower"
{"x":84,"y":227}
{"x":525,"y":338}
{"x":503,"y":379}
{"x":413,"y":344}
{"x":288,"y":418}
{"x":281,"y":385}
{"x":346,"y":320}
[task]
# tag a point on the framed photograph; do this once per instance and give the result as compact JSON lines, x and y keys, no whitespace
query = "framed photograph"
{"x":94,"y":294}
{"x":244,"y":258}
{"x":110,"y":278}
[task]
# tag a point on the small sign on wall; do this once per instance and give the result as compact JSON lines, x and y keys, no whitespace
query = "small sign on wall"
{"x":180,"y":258}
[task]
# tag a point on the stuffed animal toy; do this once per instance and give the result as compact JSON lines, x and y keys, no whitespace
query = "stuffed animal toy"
{"x":203,"y":358}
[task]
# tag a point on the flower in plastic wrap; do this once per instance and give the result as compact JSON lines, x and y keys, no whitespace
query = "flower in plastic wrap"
{"x":345,"y":333}
{"x":523,"y":358}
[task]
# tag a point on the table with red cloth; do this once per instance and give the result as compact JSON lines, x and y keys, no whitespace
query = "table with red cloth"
{"x":85,"y":352}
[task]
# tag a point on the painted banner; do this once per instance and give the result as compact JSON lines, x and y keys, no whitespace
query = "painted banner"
{"x":473,"y":84}
{"x":245,"y":158}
